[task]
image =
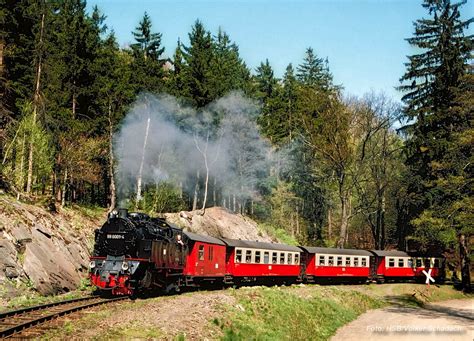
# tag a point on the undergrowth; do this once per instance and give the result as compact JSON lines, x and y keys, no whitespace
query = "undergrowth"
{"x":278,"y":233}
{"x":286,"y":314}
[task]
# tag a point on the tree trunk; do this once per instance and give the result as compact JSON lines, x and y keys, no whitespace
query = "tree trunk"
{"x":111,"y":163}
{"x":36,"y":99}
{"x":465,"y":263}
{"x":21,"y":186}
{"x":196,"y":191}
{"x":64,"y":188}
{"x":329,"y":224}
{"x":140,"y":170}
{"x":344,"y":220}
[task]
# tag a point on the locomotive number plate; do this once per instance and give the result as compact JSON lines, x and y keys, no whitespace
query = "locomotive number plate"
{"x":115,"y":236}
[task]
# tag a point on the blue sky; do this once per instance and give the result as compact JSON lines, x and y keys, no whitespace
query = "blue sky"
{"x":363,"y":39}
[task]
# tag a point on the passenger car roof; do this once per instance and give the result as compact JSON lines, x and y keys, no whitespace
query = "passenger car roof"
{"x":205,"y":239}
{"x":390,"y":253}
{"x":334,"y":251}
{"x":260,"y":245}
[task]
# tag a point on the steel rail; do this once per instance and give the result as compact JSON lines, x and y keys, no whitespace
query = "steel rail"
{"x":26,"y":322}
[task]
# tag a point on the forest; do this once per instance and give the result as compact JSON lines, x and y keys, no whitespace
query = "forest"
{"x":87,"y":122}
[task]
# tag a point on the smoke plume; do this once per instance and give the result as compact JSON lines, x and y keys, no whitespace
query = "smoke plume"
{"x":162,"y":140}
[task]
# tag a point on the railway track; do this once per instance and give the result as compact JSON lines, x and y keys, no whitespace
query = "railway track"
{"x":27,"y":322}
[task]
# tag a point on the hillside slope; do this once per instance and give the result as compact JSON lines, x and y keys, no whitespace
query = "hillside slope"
{"x":50,"y":251}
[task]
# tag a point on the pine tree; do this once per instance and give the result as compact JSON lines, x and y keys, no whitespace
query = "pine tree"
{"x":147,"y":65}
{"x":229,"y":71}
{"x":199,"y":57}
{"x":147,"y":44}
{"x":433,"y":81}
{"x":176,"y":85}
{"x":314,"y":71}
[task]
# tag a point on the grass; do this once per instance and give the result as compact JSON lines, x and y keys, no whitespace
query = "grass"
{"x":26,"y":296}
{"x":284,"y":314}
{"x":411,"y":294}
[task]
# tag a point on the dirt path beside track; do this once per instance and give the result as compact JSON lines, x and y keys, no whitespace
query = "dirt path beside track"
{"x":449,"y":320}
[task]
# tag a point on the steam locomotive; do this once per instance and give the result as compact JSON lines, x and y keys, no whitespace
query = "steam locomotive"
{"x":136,"y":253}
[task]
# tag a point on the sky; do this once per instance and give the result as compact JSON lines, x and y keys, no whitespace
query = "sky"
{"x":364,"y":40}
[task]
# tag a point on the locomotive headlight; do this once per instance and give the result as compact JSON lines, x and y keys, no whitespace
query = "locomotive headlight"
{"x":92,"y":264}
{"x":125,"y":266}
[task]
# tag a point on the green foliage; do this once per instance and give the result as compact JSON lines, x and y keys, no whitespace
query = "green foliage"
{"x":279,"y":233}
{"x":28,"y":134}
{"x":314,"y":71}
{"x":274,"y":314}
{"x":147,"y":66}
{"x":164,"y":197}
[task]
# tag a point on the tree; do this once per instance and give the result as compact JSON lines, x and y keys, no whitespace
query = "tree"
{"x":314,"y":71}
{"x":147,"y":64}
{"x":328,"y":126}
{"x":439,"y":121}
{"x":199,"y":58}
{"x":114,"y":93}
{"x":267,"y":91}
{"x":378,"y":163}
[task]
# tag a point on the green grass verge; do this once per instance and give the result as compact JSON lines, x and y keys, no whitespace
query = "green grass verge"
{"x":289,"y":314}
{"x":26,"y":296}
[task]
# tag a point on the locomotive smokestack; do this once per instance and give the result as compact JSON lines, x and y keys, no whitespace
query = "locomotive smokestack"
{"x":122,"y":212}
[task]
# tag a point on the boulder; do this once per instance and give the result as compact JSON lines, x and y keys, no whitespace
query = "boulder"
{"x":48,"y":267}
{"x":219,"y":222}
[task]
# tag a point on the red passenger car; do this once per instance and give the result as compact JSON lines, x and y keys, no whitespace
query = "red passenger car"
{"x":399,"y":265}
{"x":249,"y":261}
{"x":336,"y":265}
{"x":435,"y":264}
{"x":205,"y":260}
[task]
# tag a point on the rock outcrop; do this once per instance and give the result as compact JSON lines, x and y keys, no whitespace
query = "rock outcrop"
{"x":48,"y":250}
{"x":219,"y":222}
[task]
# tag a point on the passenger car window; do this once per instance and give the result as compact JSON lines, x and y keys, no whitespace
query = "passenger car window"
{"x":297,"y":258}
{"x":418,"y":263}
{"x":257,"y":256}
{"x":201,"y":252}
{"x":391,"y":262}
{"x":348,"y":261}
{"x":274,"y":257}
{"x":266,"y":257}
{"x":331,"y":260}
{"x":248,"y":256}
{"x":339,"y":261}
{"x":401,"y":262}
{"x":321,"y":260}
{"x":410,"y":263}
{"x":238,"y":256}
{"x":364,"y":261}
{"x":290,"y":258}
{"x":282,"y":258}
{"x":356,"y":261}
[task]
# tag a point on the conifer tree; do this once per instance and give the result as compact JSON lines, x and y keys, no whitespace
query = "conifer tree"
{"x":432,"y":84}
{"x":147,"y":65}
{"x":314,"y":71}
{"x":199,"y":56}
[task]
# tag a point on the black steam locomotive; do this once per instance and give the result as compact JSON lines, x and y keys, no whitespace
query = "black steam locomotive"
{"x":124,"y":247}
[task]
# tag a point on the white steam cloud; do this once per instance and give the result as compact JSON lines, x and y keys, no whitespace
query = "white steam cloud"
{"x":180,"y":141}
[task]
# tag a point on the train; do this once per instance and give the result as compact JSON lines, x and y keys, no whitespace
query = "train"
{"x":135,"y":253}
